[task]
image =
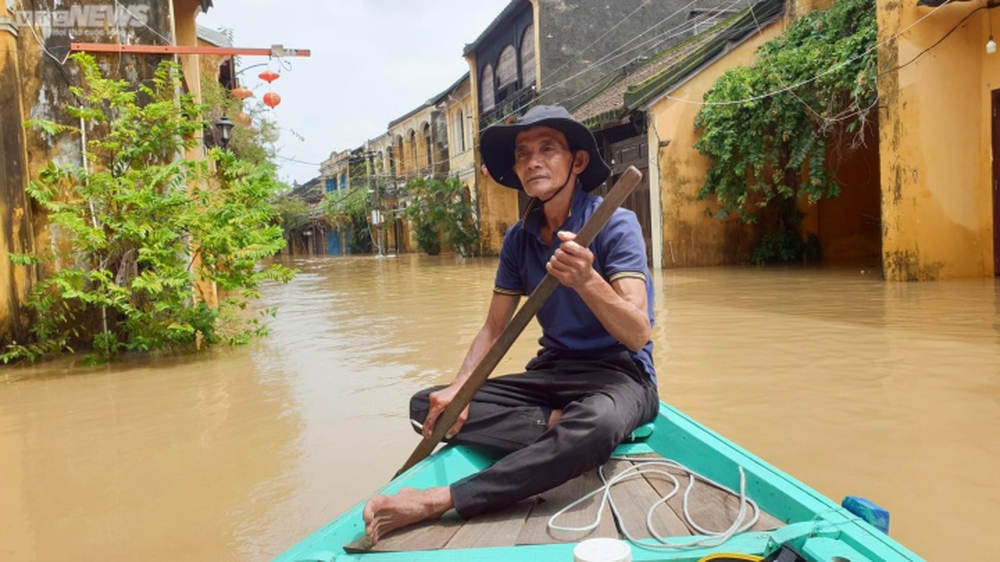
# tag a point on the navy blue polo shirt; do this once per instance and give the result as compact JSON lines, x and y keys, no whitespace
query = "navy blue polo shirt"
{"x":569,"y":329}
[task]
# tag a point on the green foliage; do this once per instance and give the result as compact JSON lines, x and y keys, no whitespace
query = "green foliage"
{"x":293,"y":215}
{"x":348,"y":210}
{"x":443,"y":216}
{"x":141,"y":236}
{"x":780,"y":246}
{"x":775,"y":146}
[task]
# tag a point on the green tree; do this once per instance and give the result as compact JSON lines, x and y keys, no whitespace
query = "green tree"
{"x":443,"y":216}
{"x":141,"y":226}
{"x":767,"y":127}
{"x":293,"y":215}
{"x":347,"y":210}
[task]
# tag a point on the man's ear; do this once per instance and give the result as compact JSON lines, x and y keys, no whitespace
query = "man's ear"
{"x":580,"y":161}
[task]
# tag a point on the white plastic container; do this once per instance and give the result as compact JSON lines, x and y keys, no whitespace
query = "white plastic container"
{"x":602,"y":550}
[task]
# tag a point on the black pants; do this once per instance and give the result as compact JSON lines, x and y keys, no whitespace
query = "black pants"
{"x":601,"y":402}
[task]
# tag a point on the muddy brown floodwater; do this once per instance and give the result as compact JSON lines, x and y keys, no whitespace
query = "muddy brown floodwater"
{"x":853,"y":385}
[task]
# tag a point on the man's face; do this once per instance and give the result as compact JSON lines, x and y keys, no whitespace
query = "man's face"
{"x":543,"y":161}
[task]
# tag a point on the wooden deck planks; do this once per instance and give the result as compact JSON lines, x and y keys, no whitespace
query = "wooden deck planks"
{"x":494,"y":529}
{"x":527,"y":522}
{"x":536,"y":529}
{"x":711,"y":508}
{"x":428,"y":535}
{"x":633,"y":498}
{"x":766,"y":521}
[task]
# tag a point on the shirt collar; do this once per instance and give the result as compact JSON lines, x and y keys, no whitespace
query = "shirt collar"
{"x":533,"y":220}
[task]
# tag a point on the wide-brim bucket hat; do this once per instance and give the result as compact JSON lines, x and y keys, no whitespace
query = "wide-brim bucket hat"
{"x":496,"y":144}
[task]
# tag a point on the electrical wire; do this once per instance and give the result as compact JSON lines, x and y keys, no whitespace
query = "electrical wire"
{"x":672,"y":33}
{"x":681,"y":29}
{"x":297,"y":161}
{"x":652,"y":42}
{"x":936,"y":43}
{"x":817,"y":76}
{"x":800,"y":83}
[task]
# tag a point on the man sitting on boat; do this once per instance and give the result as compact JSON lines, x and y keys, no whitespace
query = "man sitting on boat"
{"x":592,"y":382}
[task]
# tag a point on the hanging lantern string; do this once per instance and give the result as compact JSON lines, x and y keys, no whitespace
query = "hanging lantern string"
{"x":271,"y":98}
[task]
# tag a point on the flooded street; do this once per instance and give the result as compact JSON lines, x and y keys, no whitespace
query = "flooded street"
{"x":852,"y":385}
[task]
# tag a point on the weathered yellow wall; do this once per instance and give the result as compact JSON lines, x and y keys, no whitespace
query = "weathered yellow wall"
{"x":461,"y":155}
{"x":497,"y":210}
{"x":497,"y":204}
{"x":935,"y":142}
{"x":691,"y":236}
{"x":15,"y":209}
{"x":413,"y":161}
{"x":35,"y":85}
{"x":185,"y":33}
{"x":41,"y":87}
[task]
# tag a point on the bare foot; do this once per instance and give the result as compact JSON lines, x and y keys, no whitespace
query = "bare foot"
{"x":384,"y":514}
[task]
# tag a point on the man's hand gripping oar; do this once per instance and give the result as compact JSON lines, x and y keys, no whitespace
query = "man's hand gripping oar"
{"x":463,"y":397}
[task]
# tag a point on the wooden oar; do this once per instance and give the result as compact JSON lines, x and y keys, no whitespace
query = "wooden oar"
{"x":513,"y":329}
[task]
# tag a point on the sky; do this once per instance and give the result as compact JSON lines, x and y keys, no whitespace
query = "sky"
{"x":371,"y":62}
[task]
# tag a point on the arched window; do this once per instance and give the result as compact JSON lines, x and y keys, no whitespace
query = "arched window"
{"x":427,"y":144}
{"x":459,"y":131}
{"x":399,"y":155}
{"x":507,"y":68}
{"x":528,"y":57}
{"x":486,"y":88}
{"x":412,"y":161}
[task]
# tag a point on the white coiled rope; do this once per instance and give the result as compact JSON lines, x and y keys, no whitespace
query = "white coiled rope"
{"x":741,"y":523}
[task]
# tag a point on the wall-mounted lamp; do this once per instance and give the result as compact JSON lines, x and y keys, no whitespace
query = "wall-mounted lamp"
{"x":225,"y":127}
{"x":991,"y":45}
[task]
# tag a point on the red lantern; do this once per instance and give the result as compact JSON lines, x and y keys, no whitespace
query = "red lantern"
{"x":241,"y":93}
{"x":243,"y":119}
{"x":269,"y":76}
{"x":271,"y":99}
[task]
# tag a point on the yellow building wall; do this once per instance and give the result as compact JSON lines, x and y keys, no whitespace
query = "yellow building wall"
{"x":498,"y":208}
{"x":935,"y":141}
{"x":16,"y":234}
{"x":411,"y":162}
{"x":461,"y":154}
{"x":691,"y":235}
{"x":34,"y":87}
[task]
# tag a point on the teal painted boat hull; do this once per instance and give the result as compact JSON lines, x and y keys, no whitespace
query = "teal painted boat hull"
{"x":817,"y":527}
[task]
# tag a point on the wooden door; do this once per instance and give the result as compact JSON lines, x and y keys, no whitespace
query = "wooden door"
{"x":995,"y":183}
{"x":633,"y":151}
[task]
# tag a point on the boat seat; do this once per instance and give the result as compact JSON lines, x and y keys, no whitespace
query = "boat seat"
{"x":640,"y":433}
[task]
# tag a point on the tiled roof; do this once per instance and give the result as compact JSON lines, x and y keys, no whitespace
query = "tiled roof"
{"x":611,"y":99}
{"x":310,"y":192}
{"x":217,"y":38}
{"x":631,"y":89}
